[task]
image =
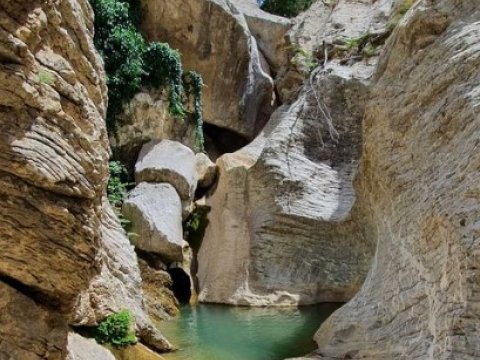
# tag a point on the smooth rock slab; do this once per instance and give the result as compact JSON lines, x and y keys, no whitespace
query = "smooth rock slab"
{"x":155,"y":211}
{"x":170,"y":162}
{"x":80,"y":348}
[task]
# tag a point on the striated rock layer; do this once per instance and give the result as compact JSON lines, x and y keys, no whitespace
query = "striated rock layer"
{"x":61,"y":244}
{"x":419,"y":177}
{"x":285,"y":225}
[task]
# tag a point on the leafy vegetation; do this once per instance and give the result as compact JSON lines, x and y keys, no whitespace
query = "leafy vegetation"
{"x":131,"y":62}
{"x":117,"y":329}
{"x":303,"y":58}
{"x":117,"y":190}
{"x":193,"y":86}
{"x":116,"y":187}
{"x":45,"y":77}
{"x":287,"y":8}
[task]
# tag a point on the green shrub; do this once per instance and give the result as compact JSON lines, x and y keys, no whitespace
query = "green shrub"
{"x":116,"y":187}
{"x":130,"y":62}
{"x":117,"y":329}
{"x":163,"y":68}
{"x":287,"y":8}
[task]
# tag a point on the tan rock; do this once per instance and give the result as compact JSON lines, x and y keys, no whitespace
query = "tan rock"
{"x":54,"y":146}
{"x":146,"y":118}
{"x":29,"y":331}
{"x":80,"y":348}
{"x":214,"y":40}
{"x":282,"y":226}
{"x":206,"y":170}
{"x":419,"y":182}
{"x":169,"y":162}
{"x":118,"y":286}
{"x":160,"y":300}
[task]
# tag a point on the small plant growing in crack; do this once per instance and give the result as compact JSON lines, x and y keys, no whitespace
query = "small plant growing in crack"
{"x":117,"y":329}
{"x":45,"y":77}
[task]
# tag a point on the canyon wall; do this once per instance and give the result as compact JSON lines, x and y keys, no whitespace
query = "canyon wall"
{"x":419,"y":176}
{"x":65,"y":260}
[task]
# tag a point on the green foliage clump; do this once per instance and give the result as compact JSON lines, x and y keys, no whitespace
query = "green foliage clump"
{"x":303,"y":58}
{"x":117,"y":329}
{"x":45,"y":77}
{"x":116,"y":187}
{"x":163,"y":68}
{"x":287,"y":8}
{"x":193,"y":86}
{"x":130,"y":62}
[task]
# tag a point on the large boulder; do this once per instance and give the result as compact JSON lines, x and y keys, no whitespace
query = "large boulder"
{"x":145,"y":118}
{"x":419,"y":179}
{"x":283,"y":228}
{"x":155,"y":212}
{"x":206,"y":170}
{"x":214,"y":40}
{"x":169,"y":162}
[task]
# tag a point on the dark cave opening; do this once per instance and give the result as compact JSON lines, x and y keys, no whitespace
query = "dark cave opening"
{"x":181,"y":285}
{"x":219,"y":141}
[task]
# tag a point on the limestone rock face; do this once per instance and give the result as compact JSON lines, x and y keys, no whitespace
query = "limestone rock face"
{"x":160,"y":300}
{"x":214,"y":40}
{"x":29,"y":331}
{"x":53,"y":143}
{"x":206,"y":170}
{"x":269,"y":31}
{"x":155,"y":211}
{"x":146,"y":118}
{"x":328,"y":27}
{"x":169,"y":162}
{"x":61,"y":243}
{"x":420,"y":179}
{"x":118,"y":286}
{"x":80,"y":348}
{"x":282,"y":227}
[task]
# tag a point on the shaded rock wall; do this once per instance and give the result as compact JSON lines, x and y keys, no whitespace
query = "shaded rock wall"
{"x":419,"y":176}
{"x":61,"y":244}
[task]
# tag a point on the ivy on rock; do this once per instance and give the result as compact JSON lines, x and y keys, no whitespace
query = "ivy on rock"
{"x":131,"y":62}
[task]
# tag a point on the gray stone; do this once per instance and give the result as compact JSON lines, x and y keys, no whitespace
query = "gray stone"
{"x":155,"y":212}
{"x":169,"y":162}
{"x":80,"y":348}
{"x":206,"y":170}
{"x":214,"y":40}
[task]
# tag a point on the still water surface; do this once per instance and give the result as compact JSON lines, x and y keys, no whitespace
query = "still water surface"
{"x":216,"y":332}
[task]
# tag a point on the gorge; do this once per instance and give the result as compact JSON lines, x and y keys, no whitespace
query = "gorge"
{"x":273,"y":177}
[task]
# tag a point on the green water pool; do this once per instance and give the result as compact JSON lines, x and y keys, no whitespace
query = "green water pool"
{"x":216,"y":332}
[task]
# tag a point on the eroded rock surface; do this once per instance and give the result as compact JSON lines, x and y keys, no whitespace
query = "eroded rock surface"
{"x":53,"y":143}
{"x":214,"y":40}
{"x":80,"y":348}
{"x":155,"y":211}
{"x":282,"y":228}
{"x":145,"y":118}
{"x":29,"y":331}
{"x":61,"y":243}
{"x":169,"y":162}
{"x":419,"y":178}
